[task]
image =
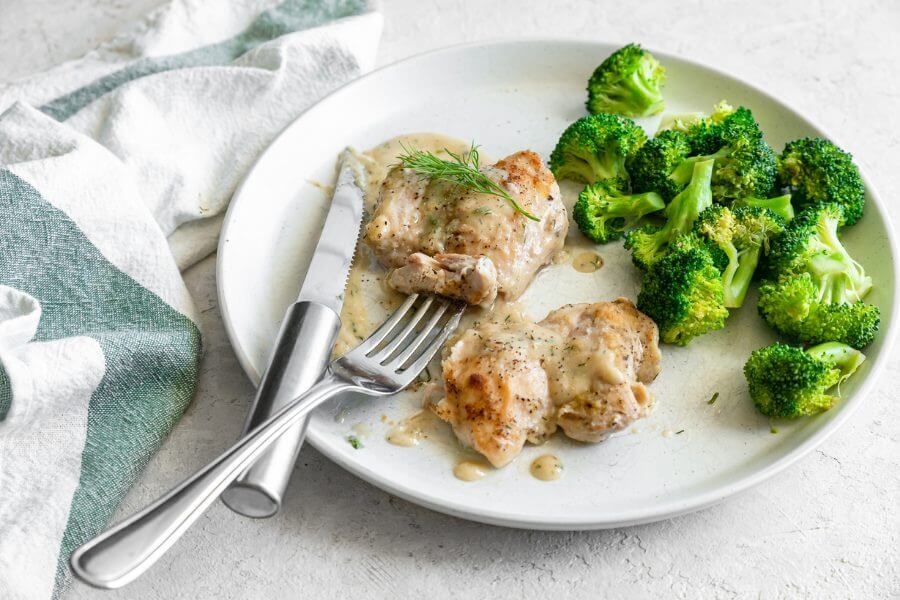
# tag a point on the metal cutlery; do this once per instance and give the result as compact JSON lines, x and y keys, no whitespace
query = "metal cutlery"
{"x":385,"y":363}
{"x":303,"y":346}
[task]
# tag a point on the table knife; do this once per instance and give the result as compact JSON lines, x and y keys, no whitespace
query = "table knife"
{"x":304,"y":344}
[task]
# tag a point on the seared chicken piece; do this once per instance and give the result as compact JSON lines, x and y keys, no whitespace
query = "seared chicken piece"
{"x":497,"y":393}
{"x":583,"y":368}
{"x":437,"y":218}
{"x":599,"y":384}
{"x":469,"y":278}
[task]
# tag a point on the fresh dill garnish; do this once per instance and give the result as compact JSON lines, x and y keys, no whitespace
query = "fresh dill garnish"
{"x":713,"y":399}
{"x":482,"y":211}
{"x":354,"y":441}
{"x":461,"y":170}
{"x":679,"y":432}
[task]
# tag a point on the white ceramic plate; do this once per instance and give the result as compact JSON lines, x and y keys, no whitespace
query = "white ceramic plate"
{"x":510,"y":96}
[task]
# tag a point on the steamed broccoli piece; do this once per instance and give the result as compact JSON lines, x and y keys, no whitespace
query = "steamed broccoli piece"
{"x":652,"y":165}
{"x":627,"y":83}
{"x":788,"y":382}
{"x":791,"y":306}
{"x":815,"y":289}
{"x":741,"y":234}
{"x":816,"y":171}
{"x":724,"y":126}
{"x":683,"y":293}
{"x":693,"y":241}
{"x":745,"y":164}
{"x":603,"y":212}
{"x":810,"y":244}
{"x":650,"y":243}
{"x":595,"y":147}
{"x":780,"y":205}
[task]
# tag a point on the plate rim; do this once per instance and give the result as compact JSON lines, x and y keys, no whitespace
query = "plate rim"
{"x":662,"y":510}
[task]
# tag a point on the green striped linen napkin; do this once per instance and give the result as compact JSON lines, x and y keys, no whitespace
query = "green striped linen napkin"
{"x":115,"y":172}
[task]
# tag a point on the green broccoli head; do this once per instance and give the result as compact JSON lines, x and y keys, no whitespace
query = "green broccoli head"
{"x":651,"y":166}
{"x":693,"y":240}
{"x":683,"y":293}
{"x":595,"y":147}
{"x":604,"y":212}
{"x":748,"y":169}
{"x":816,"y":171}
{"x":810,"y":244}
{"x":788,"y":382}
{"x":814,"y":290}
{"x":780,"y":205}
{"x":723,"y":127}
{"x":628,"y":83}
{"x":650,"y":243}
{"x":791,"y":306}
{"x":742,"y":234}
{"x":745,"y":164}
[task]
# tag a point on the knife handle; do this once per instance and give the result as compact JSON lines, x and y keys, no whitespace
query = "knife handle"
{"x":301,"y":352}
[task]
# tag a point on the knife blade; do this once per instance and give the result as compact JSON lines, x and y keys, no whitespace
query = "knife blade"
{"x":329,"y":269}
{"x":304,"y":343}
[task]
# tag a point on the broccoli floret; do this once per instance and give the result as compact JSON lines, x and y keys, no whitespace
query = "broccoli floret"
{"x":745,"y":164}
{"x":791,"y":306}
{"x":788,"y":382}
{"x":627,"y":83}
{"x":780,"y":205}
{"x":817,"y":171}
{"x":815,"y":289}
{"x":742,"y":234}
{"x":595,"y":147}
{"x":683,"y":293}
{"x":650,"y":243}
{"x":723,"y":127}
{"x":651,"y":166}
{"x":810,"y":244}
{"x":604,"y":212}
{"x":693,"y":240}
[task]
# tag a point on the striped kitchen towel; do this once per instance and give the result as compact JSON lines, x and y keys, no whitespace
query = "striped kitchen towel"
{"x":115,"y":172}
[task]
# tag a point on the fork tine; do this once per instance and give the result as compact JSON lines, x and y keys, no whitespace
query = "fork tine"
{"x":426,"y":355}
{"x":408,"y":351}
{"x":373,"y":340}
{"x":398,"y":339}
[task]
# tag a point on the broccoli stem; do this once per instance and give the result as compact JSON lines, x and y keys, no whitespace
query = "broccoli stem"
{"x":840,"y":278}
{"x":838,"y":355}
{"x":684,"y":209}
{"x":684,"y":171}
{"x":780,"y":205}
{"x":738,"y":275}
{"x":636,"y":206}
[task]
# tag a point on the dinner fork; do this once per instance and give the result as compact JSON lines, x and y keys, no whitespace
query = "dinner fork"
{"x":385,"y":363}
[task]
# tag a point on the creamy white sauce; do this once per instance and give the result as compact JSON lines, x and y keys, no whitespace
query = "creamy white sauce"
{"x":368,"y":300}
{"x":471,"y":470}
{"x":587,"y":262}
{"x":412,"y":430}
{"x":546,"y":468}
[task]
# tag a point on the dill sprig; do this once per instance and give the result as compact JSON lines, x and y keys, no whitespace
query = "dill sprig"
{"x":461,"y":170}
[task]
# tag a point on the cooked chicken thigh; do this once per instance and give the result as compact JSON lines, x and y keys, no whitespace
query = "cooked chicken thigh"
{"x":583,"y":368}
{"x":437,"y":218}
{"x":469,"y":278}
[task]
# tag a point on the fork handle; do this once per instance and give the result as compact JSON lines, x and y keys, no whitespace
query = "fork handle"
{"x":120,"y":554}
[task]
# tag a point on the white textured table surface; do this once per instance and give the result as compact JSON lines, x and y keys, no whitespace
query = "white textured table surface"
{"x":826,"y":528}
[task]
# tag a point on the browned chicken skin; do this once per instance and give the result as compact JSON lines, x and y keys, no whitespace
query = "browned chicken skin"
{"x":435,"y":218}
{"x":583,"y":369}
